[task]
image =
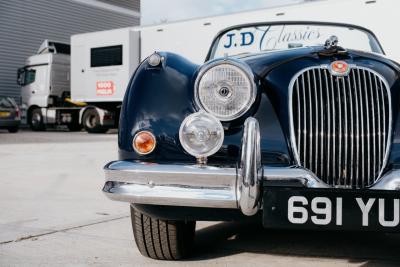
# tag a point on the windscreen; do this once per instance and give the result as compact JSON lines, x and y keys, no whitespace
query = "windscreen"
{"x":257,"y":38}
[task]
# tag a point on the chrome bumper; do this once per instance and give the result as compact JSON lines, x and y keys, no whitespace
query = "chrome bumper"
{"x":173,"y":185}
{"x":213,"y":187}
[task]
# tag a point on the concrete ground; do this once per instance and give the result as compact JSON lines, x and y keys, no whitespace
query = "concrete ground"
{"x":52,"y":213}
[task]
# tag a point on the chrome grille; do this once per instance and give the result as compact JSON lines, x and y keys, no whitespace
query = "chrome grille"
{"x":341,"y":126}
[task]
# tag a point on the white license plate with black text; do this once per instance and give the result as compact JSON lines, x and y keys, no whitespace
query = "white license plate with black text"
{"x":332,"y":209}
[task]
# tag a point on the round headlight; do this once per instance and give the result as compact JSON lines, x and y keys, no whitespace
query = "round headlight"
{"x":225,"y":89}
{"x":201,"y":134}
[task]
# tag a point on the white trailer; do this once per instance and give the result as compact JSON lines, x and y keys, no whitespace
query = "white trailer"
{"x":101,"y":66}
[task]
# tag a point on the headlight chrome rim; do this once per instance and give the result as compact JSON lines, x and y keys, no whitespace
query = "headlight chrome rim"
{"x":242,"y":67}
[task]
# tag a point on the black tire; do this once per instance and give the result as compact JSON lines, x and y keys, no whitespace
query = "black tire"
{"x":74,"y":127}
{"x":36,"y":121}
{"x":13,"y":129}
{"x":91,"y":122}
{"x":160,"y":239}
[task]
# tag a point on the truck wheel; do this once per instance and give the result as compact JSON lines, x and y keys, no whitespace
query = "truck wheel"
{"x":160,"y":239}
{"x":36,"y":120}
{"x":91,"y":122}
{"x":13,"y":129}
{"x":74,"y":127}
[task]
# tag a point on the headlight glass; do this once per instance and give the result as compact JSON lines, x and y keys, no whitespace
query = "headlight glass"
{"x":201,"y":134}
{"x":225,"y":89}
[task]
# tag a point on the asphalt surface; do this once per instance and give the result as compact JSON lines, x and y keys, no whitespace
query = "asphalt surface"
{"x":52,"y":213}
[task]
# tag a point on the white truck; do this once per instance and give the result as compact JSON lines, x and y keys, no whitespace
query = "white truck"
{"x":45,"y":88}
{"x":103,"y":62}
{"x":98,"y":74}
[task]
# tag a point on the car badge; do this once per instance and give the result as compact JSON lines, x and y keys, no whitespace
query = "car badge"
{"x":339,"y":68}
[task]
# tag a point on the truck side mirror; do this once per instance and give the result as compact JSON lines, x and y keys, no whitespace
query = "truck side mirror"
{"x":21,"y":76}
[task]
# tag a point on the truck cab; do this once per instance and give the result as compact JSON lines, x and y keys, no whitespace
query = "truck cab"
{"x":45,"y":88}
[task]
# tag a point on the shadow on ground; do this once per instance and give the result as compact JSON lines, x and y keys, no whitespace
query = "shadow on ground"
{"x":224,"y":239}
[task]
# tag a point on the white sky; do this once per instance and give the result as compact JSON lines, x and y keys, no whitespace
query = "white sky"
{"x":157,"y":11}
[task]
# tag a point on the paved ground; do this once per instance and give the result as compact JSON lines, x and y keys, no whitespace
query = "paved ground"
{"x":52,"y":213}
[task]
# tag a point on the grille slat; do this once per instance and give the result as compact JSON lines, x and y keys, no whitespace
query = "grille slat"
{"x":372,"y":100}
{"x":333,"y":175}
{"x":351,"y":137}
{"x":377,"y":97}
{"x":328,"y":134}
{"x":310,"y":122}
{"x":321,"y":132}
{"x":384,"y":119}
{"x":367,"y":129}
{"x":339,"y":107}
{"x":305,"y":120}
{"x":357,"y":123}
{"x":316,"y":136}
{"x":341,"y":131}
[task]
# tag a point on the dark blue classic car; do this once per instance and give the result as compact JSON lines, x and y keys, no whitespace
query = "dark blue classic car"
{"x":294,"y":124}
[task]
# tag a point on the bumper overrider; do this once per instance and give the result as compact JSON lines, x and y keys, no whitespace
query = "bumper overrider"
{"x":214,"y":187}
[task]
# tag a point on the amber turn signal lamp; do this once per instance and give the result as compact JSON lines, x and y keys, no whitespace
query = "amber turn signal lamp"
{"x":144,"y":142}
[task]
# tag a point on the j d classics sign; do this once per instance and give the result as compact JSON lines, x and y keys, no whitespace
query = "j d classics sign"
{"x":270,"y":37}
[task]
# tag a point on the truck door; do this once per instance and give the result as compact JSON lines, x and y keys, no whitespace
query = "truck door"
{"x":34,"y":81}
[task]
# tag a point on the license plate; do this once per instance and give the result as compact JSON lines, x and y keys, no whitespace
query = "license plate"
{"x":4,"y":114}
{"x":333,"y":209}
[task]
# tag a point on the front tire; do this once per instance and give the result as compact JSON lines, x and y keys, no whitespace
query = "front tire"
{"x":36,"y":121}
{"x":162,"y":239}
{"x":91,"y":122}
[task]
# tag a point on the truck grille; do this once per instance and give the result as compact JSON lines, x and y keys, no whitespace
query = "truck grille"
{"x":341,"y":126}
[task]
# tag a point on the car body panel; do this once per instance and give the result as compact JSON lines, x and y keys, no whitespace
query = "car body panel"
{"x":9,"y":113}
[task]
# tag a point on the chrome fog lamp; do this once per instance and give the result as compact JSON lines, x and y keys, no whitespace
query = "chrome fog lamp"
{"x":201,"y":135}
